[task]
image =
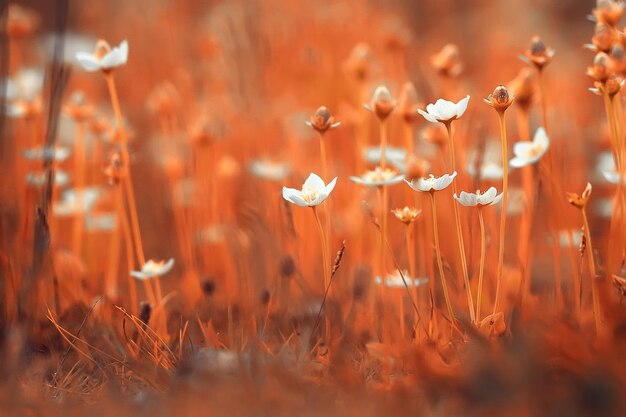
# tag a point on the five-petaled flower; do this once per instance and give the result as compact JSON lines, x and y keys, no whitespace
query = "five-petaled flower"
{"x":104,"y":58}
{"x":322,"y":120}
{"x":478,"y":199}
{"x":527,"y":153}
{"x":432,"y":183}
{"x":539,"y":55}
{"x":379,"y":177}
{"x":406,"y":215}
{"x":580,"y":201}
{"x":444,"y":111}
{"x":153,"y":269}
{"x":314,"y":192}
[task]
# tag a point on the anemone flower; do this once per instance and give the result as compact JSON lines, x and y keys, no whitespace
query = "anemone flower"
{"x":378,"y":177}
{"x":153,"y":269}
{"x":478,"y":199}
{"x":45,"y":153}
{"x":527,"y":153}
{"x":314,"y":192}
{"x":444,"y":111}
{"x":269,"y":170}
{"x":432,"y":183}
{"x":104,"y":58}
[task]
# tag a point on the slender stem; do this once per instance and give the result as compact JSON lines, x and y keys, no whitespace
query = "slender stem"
{"x":542,"y":94}
{"x":481,"y":269}
{"x":459,"y":230}
{"x":383,"y":143}
{"x":593,"y":273}
{"x":444,"y":286}
{"x":505,"y":198}
{"x":411,"y":260}
{"x":325,"y":262}
{"x":79,"y":158}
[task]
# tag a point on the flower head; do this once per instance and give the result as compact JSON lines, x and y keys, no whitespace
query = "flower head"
{"x":76,"y":201}
{"x":444,"y":111}
{"x":322,"y":120}
{"x":104,"y":58}
{"x":358,"y":64}
{"x":500,"y":99}
{"x":269,"y":170}
{"x":477,"y":199}
{"x":153,"y":268}
{"x":522,"y":87}
{"x":394,"y":280}
{"x":382,"y":103}
{"x":527,"y":153}
{"x":432,"y":183}
{"x":46,"y":153}
{"x":378,"y":177}
{"x":602,"y":68}
{"x":580,"y":201}
{"x":447,"y":61}
{"x":115,"y":171}
{"x":408,"y":104}
{"x":539,"y":55}
{"x":608,"y":11}
{"x":23,"y":93}
{"x":314,"y":192}
{"x":406,"y":215}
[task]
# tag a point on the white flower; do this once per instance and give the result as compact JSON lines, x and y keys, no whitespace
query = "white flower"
{"x":527,"y":153}
{"x":378,"y":177}
{"x":394,"y":280}
{"x":490,"y":197}
{"x":269,"y":170}
{"x":314,"y":192}
{"x":613,"y":177}
{"x":76,"y":201}
{"x":432,"y":183}
{"x":44,"y":153}
{"x":490,"y":161}
{"x":26,"y":85}
{"x":101,"y":222}
{"x":152,"y":269}
{"x":444,"y":111}
{"x":37,"y":179}
{"x":104,"y":57}
{"x":395,"y":156}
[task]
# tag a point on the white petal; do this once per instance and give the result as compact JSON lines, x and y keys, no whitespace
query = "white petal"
{"x":167,"y":267}
{"x":541,"y":138}
{"x":293,"y":196}
{"x":87,"y":61}
{"x":518,"y":162}
{"x":428,"y":116}
{"x":446,"y":110}
{"x":521,"y":149}
{"x":116,"y":57}
{"x":330,"y":187}
{"x":139,"y":275}
{"x":488,"y":195}
{"x":314,"y":182}
{"x":461,"y":106}
{"x":496,"y":199}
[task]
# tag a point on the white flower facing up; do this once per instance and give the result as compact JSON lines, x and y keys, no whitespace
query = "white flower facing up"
{"x":74,"y":202}
{"x":378,"y":177}
{"x":38,"y":179}
{"x":314,"y":192}
{"x":444,"y":111}
{"x":477,"y":199}
{"x":45,"y":153}
{"x":104,"y":58}
{"x":153,"y":269}
{"x":527,"y":153}
{"x":269,"y":170}
{"x":432,"y":183}
{"x":394,"y":280}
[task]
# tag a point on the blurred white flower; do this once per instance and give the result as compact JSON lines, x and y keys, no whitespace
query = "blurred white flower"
{"x":382,"y":103}
{"x":23,"y":92}
{"x":45,"y":153}
{"x":102,"y":222}
{"x":613,"y":177}
{"x":394,"y":280}
{"x":394,"y":156}
{"x":527,"y":153}
{"x":603,"y":207}
{"x":568,"y":238}
{"x":273,"y":171}
{"x":491,"y":162}
{"x":76,"y":201}
{"x":517,"y":202}
{"x":37,"y":179}
{"x":490,"y":197}
{"x":104,"y":57}
{"x":444,"y":111}
{"x":378,"y":177}
{"x":432,"y":183}
{"x":153,"y":268}
{"x":314,"y":192}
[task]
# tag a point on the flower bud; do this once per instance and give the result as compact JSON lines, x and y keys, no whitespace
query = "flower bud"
{"x":538,"y":54}
{"x":322,"y":120}
{"x":601,"y":69}
{"x":382,"y":103}
{"x":500,"y":98}
{"x":522,"y":87}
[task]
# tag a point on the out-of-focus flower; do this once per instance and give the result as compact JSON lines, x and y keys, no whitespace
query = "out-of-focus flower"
{"x":406,"y":215}
{"x":153,"y":269}
{"x":104,"y":58}
{"x":611,"y":86}
{"x":435,"y":135}
{"x":601,"y":69}
{"x":527,"y":153}
{"x":358,"y":64}
{"x":614,"y":177}
{"x":273,"y":171}
{"x":539,"y":55}
{"x":522,"y":87}
{"x":492,"y":325}
{"x":382,"y":104}
{"x":395,"y":156}
{"x":164,"y":99}
{"x":432,"y":183}
{"x":603,"y":38}
{"x":23,"y":93}
{"x":314,"y":192}
{"x":322,"y":120}
{"x":580,"y":201}
{"x":447,"y":62}
{"x":608,"y":11}
{"x":45,"y":153}
{"x":37,"y":179}
{"x":477,"y":199}
{"x":21,"y":21}
{"x":415,"y":167}
{"x":378,"y":177}
{"x":408,"y":105}
{"x":500,"y":99}
{"x":75,"y":202}
{"x":394,"y":280}
{"x":100,"y":222}
{"x":490,"y":160}
{"x":78,"y":107}
{"x":444,"y":111}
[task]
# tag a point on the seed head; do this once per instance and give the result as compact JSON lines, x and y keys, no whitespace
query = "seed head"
{"x":382,"y":103}
{"x":358,"y":63}
{"x":601,"y":69}
{"x":538,"y":54}
{"x":604,"y":37}
{"x":500,"y":99}
{"x":322,"y":120}
{"x":608,"y":12}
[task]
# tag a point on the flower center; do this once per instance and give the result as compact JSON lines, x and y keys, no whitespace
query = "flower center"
{"x":309,"y":194}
